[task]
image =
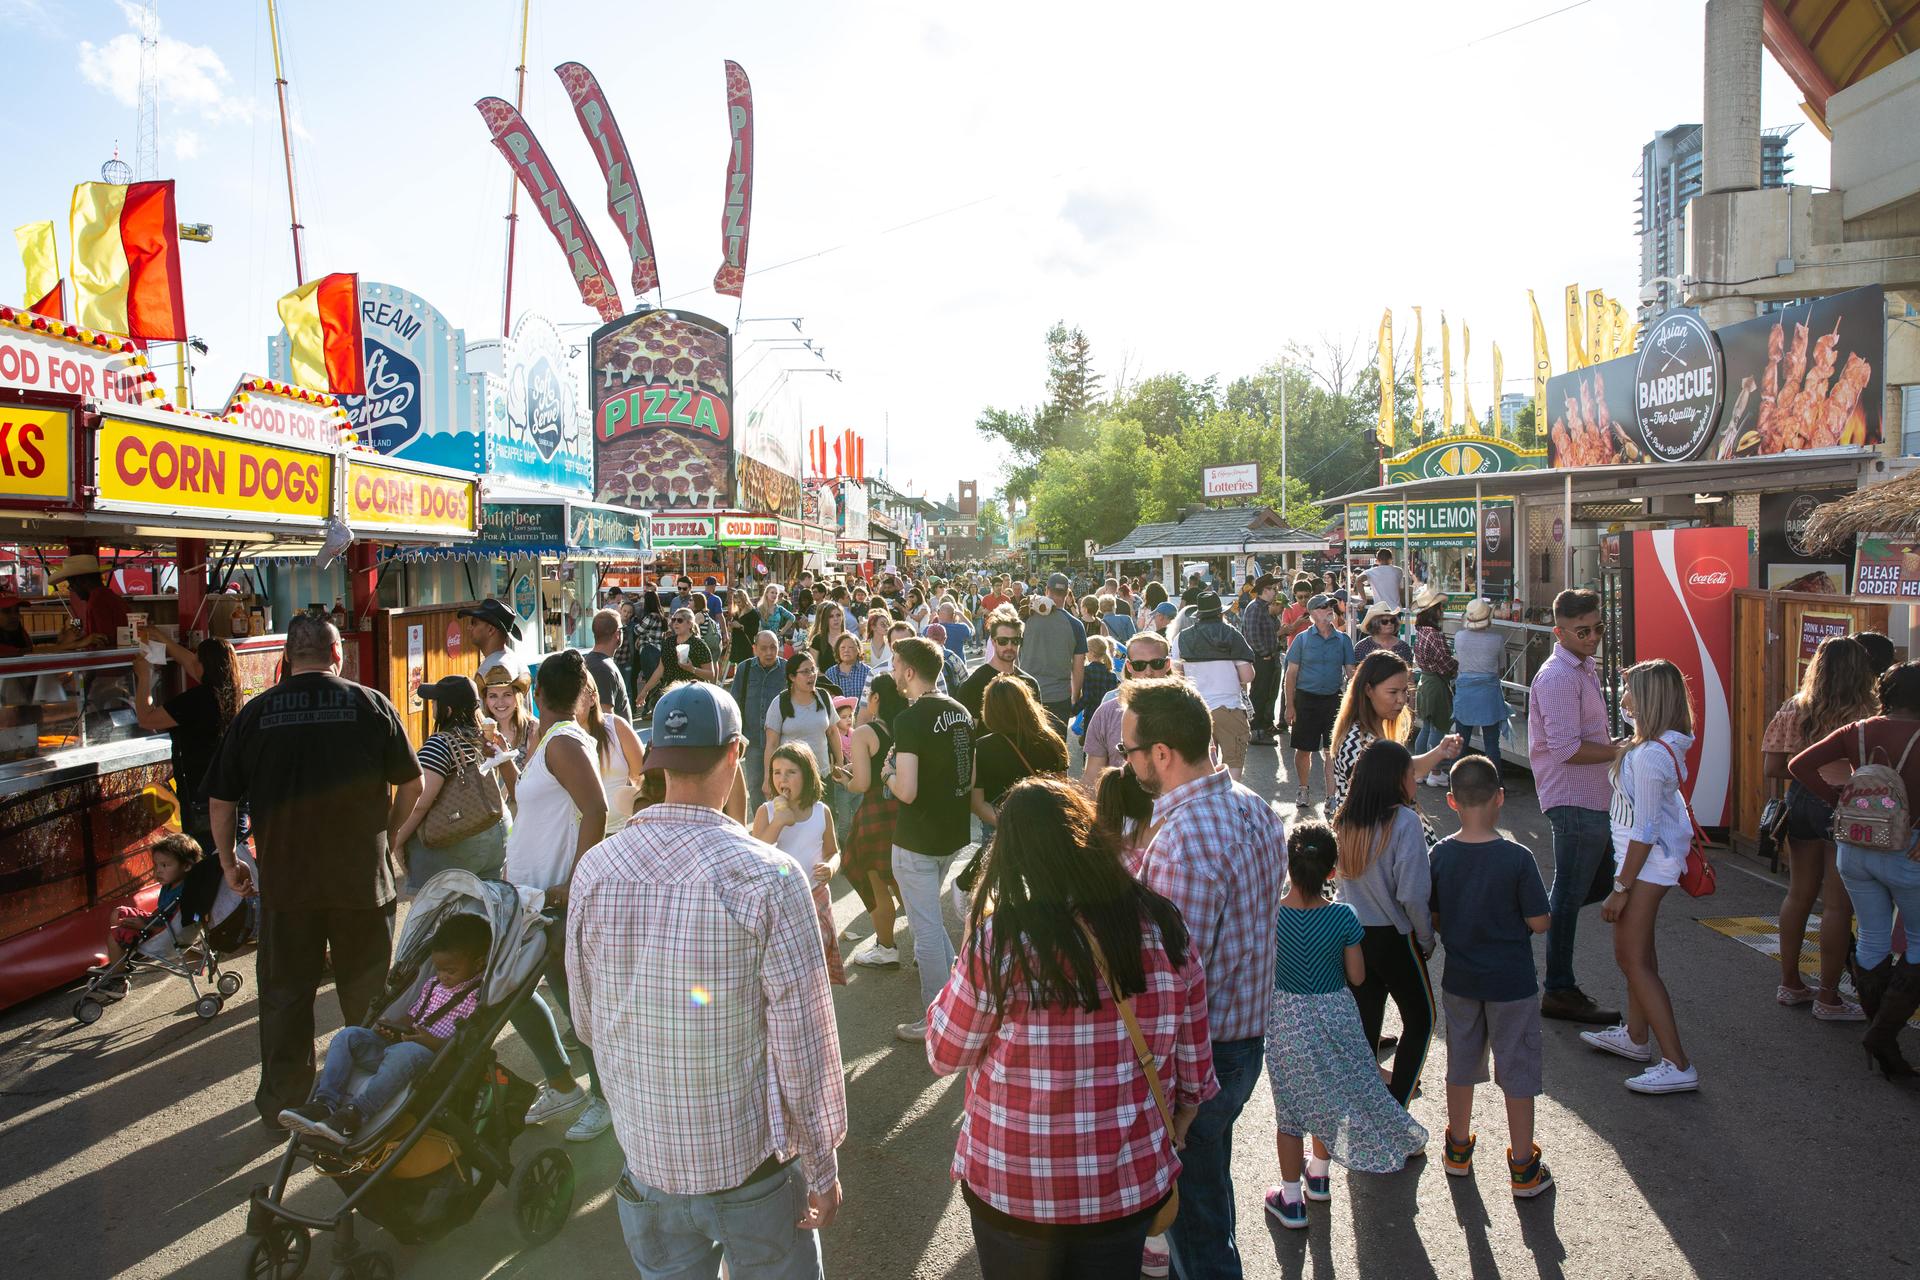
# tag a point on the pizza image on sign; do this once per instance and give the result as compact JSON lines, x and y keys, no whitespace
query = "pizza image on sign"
{"x":661,"y":390}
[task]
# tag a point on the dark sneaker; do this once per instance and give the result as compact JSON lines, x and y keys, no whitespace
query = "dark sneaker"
{"x":346,"y":1122}
{"x":1575,"y":1005}
{"x":1460,"y":1155}
{"x":306,"y":1118}
{"x":1291,"y":1213}
{"x":1530,"y":1176}
{"x":1320,"y":1188}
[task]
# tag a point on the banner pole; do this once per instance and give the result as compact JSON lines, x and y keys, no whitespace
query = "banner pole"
{"x":513,"y":187}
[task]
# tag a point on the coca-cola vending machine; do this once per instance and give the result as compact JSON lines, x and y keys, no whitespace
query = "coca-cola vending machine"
{"x":1679,"y":606}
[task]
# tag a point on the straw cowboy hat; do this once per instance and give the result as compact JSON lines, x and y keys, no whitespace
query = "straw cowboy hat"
{"x":1377,"y":612}
{"x":1479,"y":615}
{"x":75,"y":566}
{"x":1427,"y":597}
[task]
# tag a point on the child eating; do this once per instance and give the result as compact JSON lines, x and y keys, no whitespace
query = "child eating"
{"x":396,"y":1052}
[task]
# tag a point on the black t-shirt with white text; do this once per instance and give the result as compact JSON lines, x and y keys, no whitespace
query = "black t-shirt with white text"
{"x":939,"y":733}
{"x":313,"y":756}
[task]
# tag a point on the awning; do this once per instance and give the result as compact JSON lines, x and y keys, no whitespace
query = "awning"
{"x":550,"y":525}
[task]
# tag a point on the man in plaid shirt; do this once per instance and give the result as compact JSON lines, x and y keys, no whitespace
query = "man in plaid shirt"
{"x":1217,"y":853}
{"x":694,"y":955}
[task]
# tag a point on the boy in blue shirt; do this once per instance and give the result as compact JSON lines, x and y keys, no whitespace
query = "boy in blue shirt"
{"x":1488,"y":902}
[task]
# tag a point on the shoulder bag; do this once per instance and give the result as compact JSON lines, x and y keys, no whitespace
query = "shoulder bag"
{"x":1698,"y":877}
{"x":469,"y":801}
{"x":1170,"y":1207}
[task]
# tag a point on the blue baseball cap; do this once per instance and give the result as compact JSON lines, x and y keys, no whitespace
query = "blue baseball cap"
{"x":693,"y":724}
{"x":1166,"y":610}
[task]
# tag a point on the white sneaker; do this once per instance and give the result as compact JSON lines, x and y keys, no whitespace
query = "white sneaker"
{"x":552,"y":1102}
{"x":1664,"y":1077}
{"x":1438,"y":779}
{"x":1619,"y":1040}
{"x":1154,"y":1262}
{"x":912,"y":1032}
{"x":593,"y":1122}
{"x":873,"y":955}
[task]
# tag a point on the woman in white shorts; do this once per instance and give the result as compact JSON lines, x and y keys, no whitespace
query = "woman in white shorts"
{"x":1651,"y":834}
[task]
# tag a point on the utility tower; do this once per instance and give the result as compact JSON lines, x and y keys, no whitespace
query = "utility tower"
{"x":146,"y":149}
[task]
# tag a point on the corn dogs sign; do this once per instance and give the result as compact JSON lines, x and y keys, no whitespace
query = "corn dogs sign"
{"x":393,"y":500}
{"x":143,"y":467}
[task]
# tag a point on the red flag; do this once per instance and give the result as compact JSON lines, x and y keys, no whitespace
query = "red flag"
{"x":624,"y":204}
{"x":837,"y":468}
{"x":528,"y":160}
{"x":126,"y":260}
{"x":53,"y":306}
{"x":732,"y":275}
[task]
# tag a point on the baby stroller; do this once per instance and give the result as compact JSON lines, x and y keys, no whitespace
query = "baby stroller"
{"x":422,"y":1165}
{"x":185,"y":938}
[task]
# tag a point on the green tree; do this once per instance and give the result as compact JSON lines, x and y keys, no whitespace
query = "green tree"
{"x":1166,"y":402}
{"x":1073,"y":387}
{"x":992,"y":523}
{"x":1094,"y":491}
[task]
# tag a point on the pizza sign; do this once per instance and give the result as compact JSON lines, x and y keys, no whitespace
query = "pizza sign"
{"x":661,"y":385}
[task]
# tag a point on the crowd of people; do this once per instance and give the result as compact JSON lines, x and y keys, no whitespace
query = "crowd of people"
{"x":1135,"y":943}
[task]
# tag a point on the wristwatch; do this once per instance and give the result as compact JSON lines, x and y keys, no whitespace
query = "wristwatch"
{"x":1618,"y":887}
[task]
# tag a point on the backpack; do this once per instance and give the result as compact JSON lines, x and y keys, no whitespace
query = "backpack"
{"x":1873,"y":811}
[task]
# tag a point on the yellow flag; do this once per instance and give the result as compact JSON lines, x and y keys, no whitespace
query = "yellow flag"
{"x":1446,"y":378}
{"x":1467,"y":421}
{"x":1618,"y":319}
{"x":1542,"y":368}
{"x":42,"y":259}
{"x":1419,"y":377}
{"x":1576,"y":331}
{"x":1596,"y":326}
{"x":1631,"y":343}
{"x":1499,"y":388}
{"x":1385,"y":431}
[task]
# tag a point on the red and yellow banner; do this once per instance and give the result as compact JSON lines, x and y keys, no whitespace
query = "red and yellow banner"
{"x":36,"y":453}
{"x":731,"y":278}
{"x":323,"y":334}
{"x":393,"y":498}
{"x":624,"y":204}
{"x":126,"y":260}
{"x":536,"y":173}
{"x":143,"y":466}
{"x":41,"y":257}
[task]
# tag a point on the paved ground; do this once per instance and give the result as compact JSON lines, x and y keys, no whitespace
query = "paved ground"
{"x":129,"y":1146}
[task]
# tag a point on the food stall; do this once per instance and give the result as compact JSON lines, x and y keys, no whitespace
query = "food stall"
{"x":190,"y":505}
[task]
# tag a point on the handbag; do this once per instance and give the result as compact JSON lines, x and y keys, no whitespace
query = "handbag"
{"x":1698,"y":877}
{"x":1170,"y":1207}
{"x":469,"y":801}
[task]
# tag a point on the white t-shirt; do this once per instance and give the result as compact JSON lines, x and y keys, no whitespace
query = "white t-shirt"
{"x":803,"y":839}
{"x":546,"y":830}
{"x":1385,"y":579}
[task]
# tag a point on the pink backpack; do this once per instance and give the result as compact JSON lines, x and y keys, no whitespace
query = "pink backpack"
{"x":1873,"y":811}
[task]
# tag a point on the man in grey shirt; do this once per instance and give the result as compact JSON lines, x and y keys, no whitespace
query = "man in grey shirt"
{"x":1054,"y":650}
{"x":756,"y":683}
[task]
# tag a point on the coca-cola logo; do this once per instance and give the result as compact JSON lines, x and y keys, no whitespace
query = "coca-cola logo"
{"x":1709,"y":578}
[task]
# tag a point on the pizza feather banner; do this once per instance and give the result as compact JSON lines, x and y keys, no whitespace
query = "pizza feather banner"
{"x":624,"y":204}
{"x":529,"y":162}
{"x":735,"y":221}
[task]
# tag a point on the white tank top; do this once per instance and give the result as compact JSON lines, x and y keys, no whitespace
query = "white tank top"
{"x":613,"y":776}
{"x":803,"y":839}
{"x":546,"y":831}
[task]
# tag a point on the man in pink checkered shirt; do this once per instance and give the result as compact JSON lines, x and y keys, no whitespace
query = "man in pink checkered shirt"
{"x":694,"y":955}
{"x":1217,"y":853}
{"x":1570,"y":749}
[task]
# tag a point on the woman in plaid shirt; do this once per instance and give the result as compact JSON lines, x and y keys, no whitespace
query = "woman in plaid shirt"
{"x":1063,"y":1156}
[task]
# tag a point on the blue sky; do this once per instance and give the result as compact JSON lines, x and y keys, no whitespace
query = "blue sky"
{"x":1195,"y":185}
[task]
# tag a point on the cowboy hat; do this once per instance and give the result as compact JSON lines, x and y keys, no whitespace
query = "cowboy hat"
{"x":1427,"y":597}
{"x":75,"y":566}
{"x":1375,"y":613}
{"x":1479,"y":614}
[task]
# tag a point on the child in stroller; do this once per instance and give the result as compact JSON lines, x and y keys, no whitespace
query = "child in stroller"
{"x":196,"y":908}
{"x":397,"y":1051}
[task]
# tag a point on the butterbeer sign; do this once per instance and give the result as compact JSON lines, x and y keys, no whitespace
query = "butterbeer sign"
{"x":662,"y":401}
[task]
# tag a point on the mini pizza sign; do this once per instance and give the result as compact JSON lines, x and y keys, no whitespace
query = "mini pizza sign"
{"x":662,"y":398}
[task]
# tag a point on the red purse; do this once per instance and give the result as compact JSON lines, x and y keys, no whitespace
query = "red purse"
{"x":1697,"y":878}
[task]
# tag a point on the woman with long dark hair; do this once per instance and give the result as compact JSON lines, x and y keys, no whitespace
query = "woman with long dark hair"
{"x":1837,"y":689}
{"x":195,"y":719}
{"x":1075,"y":961}
{"x":1375,"y":709}
{"x":649,"y":638}
{"x":1384,"y":876}
{"x":453,"y":747}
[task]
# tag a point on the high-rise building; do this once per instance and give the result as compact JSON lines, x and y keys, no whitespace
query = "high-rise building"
{"x":1510,"y":406}
{"x":1669,"y":175}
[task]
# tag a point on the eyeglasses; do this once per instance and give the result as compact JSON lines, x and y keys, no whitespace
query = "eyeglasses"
{"x":1126,"y":752}
{"x":1148,"y":664}
{"x":1584,"y":633}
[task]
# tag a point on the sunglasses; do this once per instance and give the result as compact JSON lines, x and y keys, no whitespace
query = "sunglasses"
{"x":1584,"y":633}
{"x":1004,"y":640}
{"x":1148,"y":664}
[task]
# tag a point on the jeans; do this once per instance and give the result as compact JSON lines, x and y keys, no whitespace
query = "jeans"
{"x":1490,"y":734}
{"x":1082,"y":1255}
{"x":1878,"y":883}
{"x":920,"y":877}
{"x":684,"y":1237}
{"x":1582,"y":876}
{"x":753,"y":762}
{"x":1266,"y":689}
{"x":1427,"y":737}
{"x":1201,"y":1239}
{"x":483,"y":854}
{"x":293,"y":954}
{"x":533,"y":1022}
{"x":394,"y":1065}
{"x":556,"y":975}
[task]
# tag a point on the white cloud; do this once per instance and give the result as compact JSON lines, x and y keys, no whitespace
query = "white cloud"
{"x":29,"y":14}
{"x":191,"y":77}
{"x":186,"y":144}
